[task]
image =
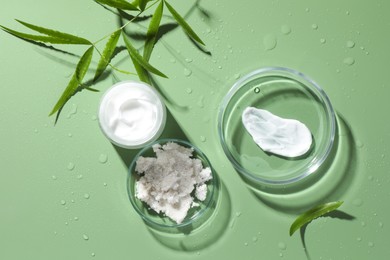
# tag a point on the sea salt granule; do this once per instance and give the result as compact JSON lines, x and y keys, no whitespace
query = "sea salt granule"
{"x":169,"y":179}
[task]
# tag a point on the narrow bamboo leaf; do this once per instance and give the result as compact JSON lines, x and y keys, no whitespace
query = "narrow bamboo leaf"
{"x":36,"y":38}
{"x":152,"y":31}
{"x":141,"y":61}
{"x":75,"y":81}
{"x":120,"y":4}
{"x":186,"y":27}
{"x":107,"y":54}
{"x":72,"y":39}
{"x":140,"y":3}
{"x":141,"y":72}
{"x":312,"y":214}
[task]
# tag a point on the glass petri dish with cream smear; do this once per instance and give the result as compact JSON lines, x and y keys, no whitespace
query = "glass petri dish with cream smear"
{"x":131,"y":114}
{"x":287,"y":94}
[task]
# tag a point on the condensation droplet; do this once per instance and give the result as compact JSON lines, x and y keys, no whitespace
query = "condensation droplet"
{"x":350,"y":44}
{"x":359,"y":239}
{"x":63,"y":202}
{"x":363,"y":223}
{"x":371,"y":244}
{"x":370,"y":178}
{"x":189,"y":90}
{"x":270,"y":42}
{"x":187,"y":72}
{"x":80,"y":176}
{"x":281,"y":254}
{"x":237,"y":76}
{"x":202,"y":138}
{"x":246,"y":244}
{"x":86,"y":196}
{"x":282,"y":246}
{"x":314,"y":26}
{"x":359,"y":144}
{"x":254,"y":239}
{"x":357,"y":202}
{"x":70,"y":135}
{"x":71,"y":166}
{"x":103,"y":158}
{"x":200,"y":102}
{"x":105,"y":184}
{"x":94,"y":118}
{"x":285,"y":29}
{"x":307,"y":9}
{"x":380,"y":224}
{"x":54,"y":177}
{"x":85,"y":237}
{"x":238,"y":214}
{"x":349,"y":61}
{"x":322,"y":40}
{"x":93,"y":254}
{"x":76,"y":218}
{"x":256,"y":90}
{"x":188,"y":60}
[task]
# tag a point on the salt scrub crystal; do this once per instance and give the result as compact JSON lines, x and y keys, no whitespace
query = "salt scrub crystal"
{"x":169,"y":180}
{"x":285,"y":137}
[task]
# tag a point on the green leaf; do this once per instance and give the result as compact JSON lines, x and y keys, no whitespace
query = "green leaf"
{"x":107,"y":53}
{"x":75,"y":81}
{"x":140,"y":3}
{"x":71,"y":39}
{"x":120,"y":4}
{"x":141,"y":72}
{"x":37,"y":38}
{"x":140,"y":60}
{"x":186,"y":27}
{"x":153,"y":30}
{"x":312,"y":214}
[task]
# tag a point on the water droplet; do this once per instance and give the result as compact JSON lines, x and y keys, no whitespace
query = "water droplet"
{"x":285,"y":29}
{"x":72,"y":111}
{"x":314,"y":26}
{"x":172,"y":60}
{"x":220,"y":67}
{"x":70,"y":135}
{"x":281,"y":254}
{"x":93,"y":254}
{"x":189,"y":90}
{"x":208,"y":30}
{"x":202,"y":138}
{"x":85,"y":237}
{"x":63,"y":202}
{"x":349,"y":61}
{"x":282,"y":246}
{"x":371,"y":244}
{"x":187,"y":72}
{"x":370,"y":178}
{"x":307,"y":9}
{"x":357,"y":202}
{"x":380,"y":224}
{"x":66,"y":223}
{"x":237,"y":76}
{"x":359,"y":239}
{"x":246,"y":244}
{"x":350,"y":44}
{"x":322,"y":40}
{"x":80,"y":176}
{"x":254,"y":239}
{"x":76,"y":218}
{"x":94,"y":118}
{"x":103,"y":158}
{"x":359,"y":144}
{"x":105,"y":184}
{"x":71,"y":166}
{"x":269,"y":42}
{"x":347,"y":13}
{"x":363,"y":223}
{"x":72,"y":201}
{"x":238,"y":214}
{"x":188,"y":60}
{"x":54,"y":177}
{"x":200,"y":102}
{"x":36,"y":131}
{"x":86,"y":196}
{"x":256,"y":90}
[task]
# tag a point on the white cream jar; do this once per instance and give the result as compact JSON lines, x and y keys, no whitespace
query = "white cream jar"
{"x":131,"y":114}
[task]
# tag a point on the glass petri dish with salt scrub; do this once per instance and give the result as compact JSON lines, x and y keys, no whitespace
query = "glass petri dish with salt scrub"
{"x":131,"y":114}
{"x":171,"y":185}
{"x":288,"y":104}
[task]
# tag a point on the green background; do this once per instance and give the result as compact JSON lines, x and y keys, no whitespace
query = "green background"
{"x":45,"y":166}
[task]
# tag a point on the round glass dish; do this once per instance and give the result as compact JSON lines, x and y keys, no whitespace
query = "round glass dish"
{"x":196,"y":215}
{"x":286,"y":93}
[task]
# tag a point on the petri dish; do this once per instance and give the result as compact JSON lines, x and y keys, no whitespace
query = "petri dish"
{"x":289,"y":94}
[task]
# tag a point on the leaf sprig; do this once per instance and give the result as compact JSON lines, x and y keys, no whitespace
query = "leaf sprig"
{"x":140,"y":61}
{"x":312,"y":214}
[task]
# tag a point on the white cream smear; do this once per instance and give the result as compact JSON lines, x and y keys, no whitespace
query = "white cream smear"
{"x":273,"y":134}
{"x":131,"y":114}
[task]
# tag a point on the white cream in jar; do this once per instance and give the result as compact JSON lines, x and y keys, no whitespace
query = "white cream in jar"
{"x":131,"y":114}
